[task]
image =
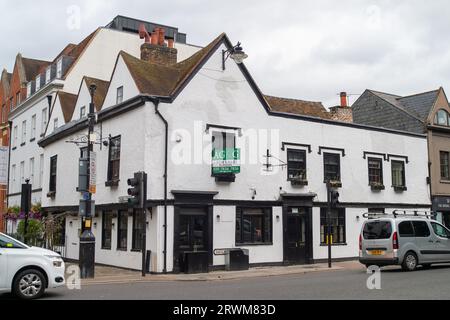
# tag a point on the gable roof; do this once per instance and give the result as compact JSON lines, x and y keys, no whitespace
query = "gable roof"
{"x":67,"y":102}
{"x":166,"y":81}
{"x":417,"y":106}
{"x":100,"y":92}
{"x":307,"y":108}
{"x":30,"y":68}
{"x":5,"y":80}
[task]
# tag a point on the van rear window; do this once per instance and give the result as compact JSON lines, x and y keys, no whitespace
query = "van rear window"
{"x":377,"y":230}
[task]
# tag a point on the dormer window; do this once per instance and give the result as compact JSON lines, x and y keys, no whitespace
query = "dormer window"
{"x":38,"y":82}
{"x":442,"y":118}
{"x":29,"y":89}
{"x":59,"y":68}
{"x":48,"y":74}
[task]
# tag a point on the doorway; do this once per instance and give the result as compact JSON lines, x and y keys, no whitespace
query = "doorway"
{"x":298,"y":244}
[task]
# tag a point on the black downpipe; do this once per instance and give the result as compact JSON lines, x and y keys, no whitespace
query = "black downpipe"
{"x":9,"y":164}
{"x":156,"y":102}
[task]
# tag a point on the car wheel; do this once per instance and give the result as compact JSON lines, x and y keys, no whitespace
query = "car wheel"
{"x":29,"y":284}
{"x":410,"y":261}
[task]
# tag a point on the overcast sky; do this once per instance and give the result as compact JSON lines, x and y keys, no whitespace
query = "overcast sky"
{"x":300,"y":49}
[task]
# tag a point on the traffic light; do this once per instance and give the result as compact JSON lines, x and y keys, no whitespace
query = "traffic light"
{"x":138,"y":190}
{"x":334,"y":198}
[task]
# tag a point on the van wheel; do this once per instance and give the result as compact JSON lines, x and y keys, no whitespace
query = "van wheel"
{"x":29,"y":284}
{"x":410,"y":261}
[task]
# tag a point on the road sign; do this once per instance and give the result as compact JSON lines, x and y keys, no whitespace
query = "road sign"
{"x":226,"y":161}
{"x":93,"y":173}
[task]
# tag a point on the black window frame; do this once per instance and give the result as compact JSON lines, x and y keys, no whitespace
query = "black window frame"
{"x":122,"y":233}
{"x":267,"y":235}
{"x":53,"y":175}
{"x":372,"y":169}
{"x":443,"y":177}
{"x":136,"y":243}
{"x":111,"y":161}
{"x":342,"y":220}
{"x":302,"y":162}
{"x":328,"y":156}
{"x":107,"y":230}
{"x":403,"y":173}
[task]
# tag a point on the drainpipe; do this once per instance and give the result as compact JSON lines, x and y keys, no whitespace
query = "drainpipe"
{"x":9,"y":166}
{"x":166,"y":147}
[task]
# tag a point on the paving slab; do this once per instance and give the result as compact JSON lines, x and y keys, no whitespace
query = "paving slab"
{"x":111,"y":275}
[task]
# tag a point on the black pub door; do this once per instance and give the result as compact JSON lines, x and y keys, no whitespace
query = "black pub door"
{"x":299,"y":236}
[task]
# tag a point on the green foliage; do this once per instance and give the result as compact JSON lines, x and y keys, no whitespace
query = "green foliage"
{"x":34,"y":231}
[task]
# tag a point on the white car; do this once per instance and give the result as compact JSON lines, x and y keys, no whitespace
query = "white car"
{"x":28,"y":271}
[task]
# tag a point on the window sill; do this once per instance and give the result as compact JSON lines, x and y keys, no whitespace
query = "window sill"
{"x":225,"y":177}
{"x":22,"y":144}
{"x":399,"y":189}
{"x":334,"y":184}
{"x":122,"y":249}
{"x":445,"y":181}
{"x":112,"y":183}
{"x":136,"y":250}
{"x":254,"y":244}
{"x":296,"y":183}
{"x":33,"y":139}
{"x":377,"y":187}
{"x":14,"y":148}
{"x":106,"y":249}
{"x":334,"y":245}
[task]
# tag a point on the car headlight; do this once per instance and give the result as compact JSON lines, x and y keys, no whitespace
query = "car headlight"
{"x":57,"y":263}
{"x":57,"y":260}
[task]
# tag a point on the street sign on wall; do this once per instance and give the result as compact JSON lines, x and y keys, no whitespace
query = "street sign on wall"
{"x":226,"y":161}
{"x":93,"y":173}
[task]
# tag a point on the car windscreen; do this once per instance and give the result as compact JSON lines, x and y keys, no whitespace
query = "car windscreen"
{"x":374,"y":230}
{"x":10,"y":243}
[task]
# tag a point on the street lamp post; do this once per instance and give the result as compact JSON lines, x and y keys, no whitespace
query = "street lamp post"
{"x":87,"y":238}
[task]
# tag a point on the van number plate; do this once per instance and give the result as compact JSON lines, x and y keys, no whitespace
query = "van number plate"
{"x":376,"y":252}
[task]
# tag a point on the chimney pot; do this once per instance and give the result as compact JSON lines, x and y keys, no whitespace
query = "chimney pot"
{"x":344,"y":99}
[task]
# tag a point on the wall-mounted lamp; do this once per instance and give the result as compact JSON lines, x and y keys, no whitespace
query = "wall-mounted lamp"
{"x":236,"y":53}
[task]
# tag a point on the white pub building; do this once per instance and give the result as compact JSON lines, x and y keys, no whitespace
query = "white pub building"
{"x":265,"y":190}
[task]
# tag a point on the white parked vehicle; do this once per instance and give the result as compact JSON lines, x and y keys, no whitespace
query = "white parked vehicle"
{"x":28,"y":271}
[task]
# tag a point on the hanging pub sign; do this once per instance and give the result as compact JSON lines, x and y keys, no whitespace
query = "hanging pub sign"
{"x":226,"y":161}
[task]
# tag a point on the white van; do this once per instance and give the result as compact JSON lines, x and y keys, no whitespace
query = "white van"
{"x":28,"y":271}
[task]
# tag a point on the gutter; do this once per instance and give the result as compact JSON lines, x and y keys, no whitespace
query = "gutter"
{"x":156,"y":102}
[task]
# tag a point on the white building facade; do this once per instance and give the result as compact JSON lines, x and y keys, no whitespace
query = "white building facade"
{"x":272,"y":203}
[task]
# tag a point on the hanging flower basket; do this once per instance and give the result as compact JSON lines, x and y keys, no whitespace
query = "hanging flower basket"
{"x":376,"y":186}
{"x":14,"y":213}
{"x":335,"y":184}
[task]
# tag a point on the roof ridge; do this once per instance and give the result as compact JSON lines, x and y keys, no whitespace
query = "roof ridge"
{"x":401,"y":108}
{"x":389,"y":94}
{"x":419,"y":94}
{"x":292,"y":99}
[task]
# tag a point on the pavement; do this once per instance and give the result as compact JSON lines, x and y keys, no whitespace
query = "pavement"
{"x":111,"y":275}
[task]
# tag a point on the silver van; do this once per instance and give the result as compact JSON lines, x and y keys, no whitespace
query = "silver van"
{"x":405,"y":241}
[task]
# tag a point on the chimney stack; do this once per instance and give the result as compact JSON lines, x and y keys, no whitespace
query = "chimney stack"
{"x":155,"y":49}
{"x":344,"y":102}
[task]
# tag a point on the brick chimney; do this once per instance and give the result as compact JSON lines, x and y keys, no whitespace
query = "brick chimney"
{"x":342,"y":112}
{"x":155,"y":49}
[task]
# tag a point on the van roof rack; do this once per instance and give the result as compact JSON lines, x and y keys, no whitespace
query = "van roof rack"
{"x":400,"y":213}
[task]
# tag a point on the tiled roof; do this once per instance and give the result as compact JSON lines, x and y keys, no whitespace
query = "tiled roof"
{"x":158,"y":80}
{"x":100,"y":92}
{"x":306,"y":108}
{"x":68,"y":102}
{"x":33,"y":67}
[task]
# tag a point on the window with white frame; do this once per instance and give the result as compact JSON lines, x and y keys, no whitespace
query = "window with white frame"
{"x":13,"y":177}
{"x":29,"y":89}
{"x":22,"y":172}
{"x":44,"y":120}
{"x":38,"y":82}
{"x":33,"y":127}
{"x":55,"y":124}
{"x":41,"y":170}
{"x":15,"y":137}
{"x":119,"y":98}
{"x":59,"y":68}
{"x":32,"y":171}
{"x":48,"y":74}
{"x":24,"y":132}
{"x":82,"y":111}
